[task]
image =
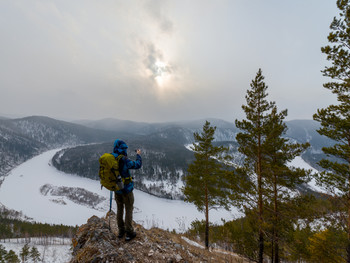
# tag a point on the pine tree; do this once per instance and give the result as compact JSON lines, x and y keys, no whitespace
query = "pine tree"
{"x":250,"y":140}
{"x":335,"y":119}
{"x":280,"y":179}
{"x":265,"y":181}
{"x":24,"y":254}
{"x":205,"y":182}
{"x":3,"y":253}
{"x":34,"y":254}
{"x":11,"y":257}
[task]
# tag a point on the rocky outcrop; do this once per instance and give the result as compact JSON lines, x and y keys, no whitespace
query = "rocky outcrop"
{"x":97,"y":241}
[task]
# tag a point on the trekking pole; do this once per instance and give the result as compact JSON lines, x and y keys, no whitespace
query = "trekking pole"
{"x":110,"y":200}
{"x":110,"y":207}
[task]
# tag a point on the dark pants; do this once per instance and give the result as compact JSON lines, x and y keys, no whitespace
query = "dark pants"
{"x":125,"y":201}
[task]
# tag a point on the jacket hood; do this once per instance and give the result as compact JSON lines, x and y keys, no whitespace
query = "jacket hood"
{"x":120,"y":147}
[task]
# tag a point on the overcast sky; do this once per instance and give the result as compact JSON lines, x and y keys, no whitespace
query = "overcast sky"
{"x":161,"y":60}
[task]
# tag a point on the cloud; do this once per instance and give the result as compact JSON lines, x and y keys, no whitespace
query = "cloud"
{"x":165,"y":59}
{"x":156,"y":10}
{"x":154,"y":61}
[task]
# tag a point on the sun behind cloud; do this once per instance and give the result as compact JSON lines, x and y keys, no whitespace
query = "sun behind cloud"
{"x":162,"y":73}
{"x":157,"y":67}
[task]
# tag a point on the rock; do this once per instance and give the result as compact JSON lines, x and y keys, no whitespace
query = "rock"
{"x":150,"y":253}
{"x":178,"y":246}
{"x":97,"y":241}
{"x":178,"y":258}
{"x":91,"y":238}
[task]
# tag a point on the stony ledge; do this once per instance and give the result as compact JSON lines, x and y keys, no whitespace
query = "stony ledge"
{"x":97,"y":241}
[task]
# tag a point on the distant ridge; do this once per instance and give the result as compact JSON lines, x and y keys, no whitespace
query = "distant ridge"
{"x":23,"y":138}
{"x":112,"y":124}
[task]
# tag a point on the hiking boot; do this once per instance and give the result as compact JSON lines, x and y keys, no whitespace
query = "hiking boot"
{"x":121,"y":233}
{"x":130,"y":236}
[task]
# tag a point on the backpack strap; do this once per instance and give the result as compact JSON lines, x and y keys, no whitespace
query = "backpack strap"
{"x":118,"y":158}
{"x":126,"y":180}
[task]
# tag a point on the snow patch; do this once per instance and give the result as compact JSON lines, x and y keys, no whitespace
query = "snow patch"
{"x":192,"y":243}
{"x":300,"y":163}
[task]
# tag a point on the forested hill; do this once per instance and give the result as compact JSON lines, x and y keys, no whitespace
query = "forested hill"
{"x":164,"y":163}
{"x":165,"y":157}
{"x":163,"y":144}
{"x":21,"y":139}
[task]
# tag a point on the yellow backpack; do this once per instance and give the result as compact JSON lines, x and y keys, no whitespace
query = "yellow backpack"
{"x":109,"y":173}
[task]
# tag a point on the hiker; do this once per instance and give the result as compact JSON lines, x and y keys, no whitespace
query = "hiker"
{"x":125,"y":197}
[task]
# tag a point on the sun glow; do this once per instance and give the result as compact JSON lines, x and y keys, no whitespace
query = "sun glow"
{"x":162,"y":72}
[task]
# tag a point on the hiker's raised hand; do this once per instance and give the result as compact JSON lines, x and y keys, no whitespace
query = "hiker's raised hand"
{"x":138,"y":151}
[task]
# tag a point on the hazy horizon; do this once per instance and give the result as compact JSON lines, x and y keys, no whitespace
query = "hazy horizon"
{"x":114,"y":118}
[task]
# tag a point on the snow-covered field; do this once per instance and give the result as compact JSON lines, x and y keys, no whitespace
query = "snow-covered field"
{"x":53,"y":253}
{"x":21,"y":191}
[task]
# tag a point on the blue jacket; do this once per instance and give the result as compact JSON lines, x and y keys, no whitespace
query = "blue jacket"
{"x":125,"y":164}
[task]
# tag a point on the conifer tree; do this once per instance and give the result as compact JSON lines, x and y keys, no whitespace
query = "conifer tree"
{"x":250,"y":140}
{"x":11,"y":257}
{"x":24,"y":254}
{"x":205,"y":182}
{"x":3,"y":253}
{"x":280,"y":179}
{"x":265,"y":181}
{"x":34,"y":254}
{"x":335,"y":119}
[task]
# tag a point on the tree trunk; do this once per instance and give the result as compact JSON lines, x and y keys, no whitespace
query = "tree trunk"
{"x":275,"y":224}
{"x":348,"y":245}
{"x":261,"y":247}
{"x":277,"y":258}
{"x":272,"y":247}
{"x":260,"y":204}
{"x":260,"y":207}
{"x":206,"y":218}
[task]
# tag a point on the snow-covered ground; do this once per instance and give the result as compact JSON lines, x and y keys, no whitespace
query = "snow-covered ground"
{"x":300,"y":163}
{"x":53,"y":253}
{"x":21,"y":191}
